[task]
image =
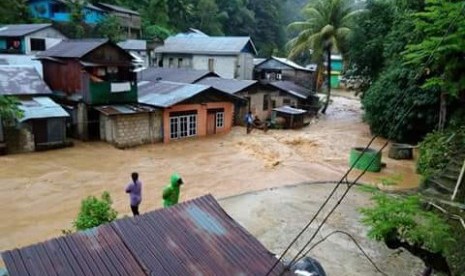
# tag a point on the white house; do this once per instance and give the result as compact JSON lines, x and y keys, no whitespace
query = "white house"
{"x":138,"y":49}
{"x":230,"y":57}
{"x":28,"y":39}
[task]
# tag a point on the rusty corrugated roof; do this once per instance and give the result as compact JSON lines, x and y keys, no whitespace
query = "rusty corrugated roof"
{"x":196,"y":237}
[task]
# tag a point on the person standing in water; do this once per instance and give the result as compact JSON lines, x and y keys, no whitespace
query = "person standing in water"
{"x":134,"y":189}
{"x":171,"y":191}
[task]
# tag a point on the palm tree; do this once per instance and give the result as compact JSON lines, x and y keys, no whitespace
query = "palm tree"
{"x":326,"y":28}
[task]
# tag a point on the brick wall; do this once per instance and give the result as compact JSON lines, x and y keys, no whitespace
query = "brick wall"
{"x":19,"y":140}
{"x":131,"y":129}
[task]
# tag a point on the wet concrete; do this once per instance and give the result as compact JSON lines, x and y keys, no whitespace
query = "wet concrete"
{"x":40,"y":193}
{"x":276,"y":216}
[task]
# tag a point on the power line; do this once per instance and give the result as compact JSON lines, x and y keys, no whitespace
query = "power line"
{"x":354,"y":241}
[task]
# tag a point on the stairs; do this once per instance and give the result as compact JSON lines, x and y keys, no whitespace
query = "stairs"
{"x":443,"y":184}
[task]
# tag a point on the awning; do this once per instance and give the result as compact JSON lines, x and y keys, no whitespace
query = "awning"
{"x":41,"y":108}
{"x":290,"y":110}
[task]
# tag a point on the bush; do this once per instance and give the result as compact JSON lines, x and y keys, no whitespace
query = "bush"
{"x":95,"y":212}
{"x":438,"y":148}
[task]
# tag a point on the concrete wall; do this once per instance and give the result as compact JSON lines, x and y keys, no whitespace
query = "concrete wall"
{"x":202,"y":110}
{"x":19,"y":139}
{"x":130,"y":130}
{"x":225,"y":66}
{"x":245,"y":66}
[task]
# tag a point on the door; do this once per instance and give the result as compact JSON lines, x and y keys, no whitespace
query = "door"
{"x":39,"y":128}
{"x":211,"y":122}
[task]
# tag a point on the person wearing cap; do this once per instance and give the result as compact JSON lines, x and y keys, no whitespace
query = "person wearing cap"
{"x":171,"y":191}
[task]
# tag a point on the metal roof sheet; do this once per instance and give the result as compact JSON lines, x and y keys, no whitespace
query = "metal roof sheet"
{"x":133,"y":44}
{"x":117,"y":8}
{"x":22,"y":60}
{"x":183,"y":75}
{"x":292,"y":88}
{"x":73,"y":48}
{"x":14,"y":30}
{"x":290,"y":63}
{"x":290,"y":110}
{"x":41,"y":107}
{"x":166,"y":94}
{"x":227,"y":85}
{"x":21,"y":80}
{"x":196,"y":237}
{"x":124,"y":109}
{"x":227,"y":45}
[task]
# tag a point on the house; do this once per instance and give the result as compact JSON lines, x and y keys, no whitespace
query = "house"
{"x":189,"y":110}
{"x":241,"y":88}
{"x":28,"y":39}
{"x":137,"y":47}
{"x":43,"y":124}
{"x":89,"y":73}
{"x":288,"y":117}
{"x":229,"y":57}
{"x":129,"y":20}
{"x":196,"y":237}
{"x":58,"y":11}
{"x":182,"y":75}
{"x":336,"y":70}
{"x":276,"y":69}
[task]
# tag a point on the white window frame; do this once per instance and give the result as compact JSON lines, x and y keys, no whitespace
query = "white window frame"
{"x":219,"y":118}
{"x":185,"y":126}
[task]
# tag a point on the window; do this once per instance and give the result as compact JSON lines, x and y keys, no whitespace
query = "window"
{"x":37,"y":44}
{"x":219,"y":119}
{"x":183,"y":126}
{"x":179,"y":62}
{"x":273,"y":103}
{"x":266,"y":99}
{"x":286,"y":101}
{"x":211,"y":64}
{"x":170,"y":62}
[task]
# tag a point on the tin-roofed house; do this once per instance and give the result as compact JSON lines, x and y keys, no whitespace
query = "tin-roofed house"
{"x":28,"y":39}
{"x":129,"y":20}
{"x":196,"y":237}
{"x":276,"y":69}
{"x":230,"y":57}
{"x":59,"y":11}
{"x":138,"y":48}
{"x":182,"y":75}
{"x":95,"y":80}
{"x":43,"y":124}
{"x":189,"y":110}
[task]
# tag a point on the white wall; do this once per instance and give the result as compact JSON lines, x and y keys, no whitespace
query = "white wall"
{"x":51,"y":36}
{"x":246,"y":66}
{"x":223,"y":65}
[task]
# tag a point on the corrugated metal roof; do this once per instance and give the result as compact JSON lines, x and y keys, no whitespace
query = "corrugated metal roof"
{"x":124,"y":109}
{"x":117,"y":8}
{"x":227,"y":85}
{"x":257,"y":61}
{"x":21,"y":80}
{"x":73,"y":48}
{"x":182,"y":75}
{"x":21,"y":29}
{"x":196,"y":237}
{"x":22,"y":60}
{"x":290,"y":110}
{"x":290,"y":63}
{"x":227,"y":45}
{"x":133,"y":44}
{"x":41,"y":107}
{"x":166,"y":94}
{"x":292,"y":88}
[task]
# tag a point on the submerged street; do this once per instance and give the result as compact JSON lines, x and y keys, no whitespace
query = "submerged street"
{"x":41,"y":192}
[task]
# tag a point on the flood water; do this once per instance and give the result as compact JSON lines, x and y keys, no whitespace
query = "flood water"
{"x":40,"y":193}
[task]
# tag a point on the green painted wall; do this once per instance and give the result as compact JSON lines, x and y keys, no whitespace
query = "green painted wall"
{"x":100,"y":94}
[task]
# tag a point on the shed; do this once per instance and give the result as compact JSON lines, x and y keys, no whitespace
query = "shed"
{"x":196,"y":237}
{"x":293,"y":117}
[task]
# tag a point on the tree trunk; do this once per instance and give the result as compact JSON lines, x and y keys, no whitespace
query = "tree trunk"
{"x":328,"y":75}
{"x":442,"y":112}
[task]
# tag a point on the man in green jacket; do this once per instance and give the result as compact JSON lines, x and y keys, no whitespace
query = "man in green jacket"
{"x":171,"y":192}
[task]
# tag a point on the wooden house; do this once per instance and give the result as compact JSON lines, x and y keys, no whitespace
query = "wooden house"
{"x":289,"y":118}
{"x":277,"y":69}
{"x":129,"y":20}
{"x":229,"y":57}
{"x":89,"y":73}
{"x":43,"y":124}
{"x":59,"y":11}
{"x":189,"y":110}
{"x":28,"y":39}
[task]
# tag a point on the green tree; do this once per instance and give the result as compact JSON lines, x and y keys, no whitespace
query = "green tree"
{"x":109,"y":28}
{"x":95,"y":212}
{"x":239,"y":20}
{"x":9,"y":109}
{"x":401,"y":222}
{"x":326,"y":28}
{"x":207,"y":17}
{"x":14,"y":12}
{"x":75,"y":26}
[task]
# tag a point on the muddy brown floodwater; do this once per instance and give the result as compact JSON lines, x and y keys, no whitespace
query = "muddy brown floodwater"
{"x":40,"y":193}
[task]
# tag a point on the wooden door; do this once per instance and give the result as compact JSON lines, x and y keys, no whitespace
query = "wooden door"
{"x":39,"y":127}
{"x":211,"y":123}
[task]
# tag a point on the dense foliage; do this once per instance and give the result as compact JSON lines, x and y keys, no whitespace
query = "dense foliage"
{"x":9,"y":108}
{"x":95,"y":212}
{"x":402,"y":222}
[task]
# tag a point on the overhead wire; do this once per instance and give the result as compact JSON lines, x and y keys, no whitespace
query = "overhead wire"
{"x":356,"y":161}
